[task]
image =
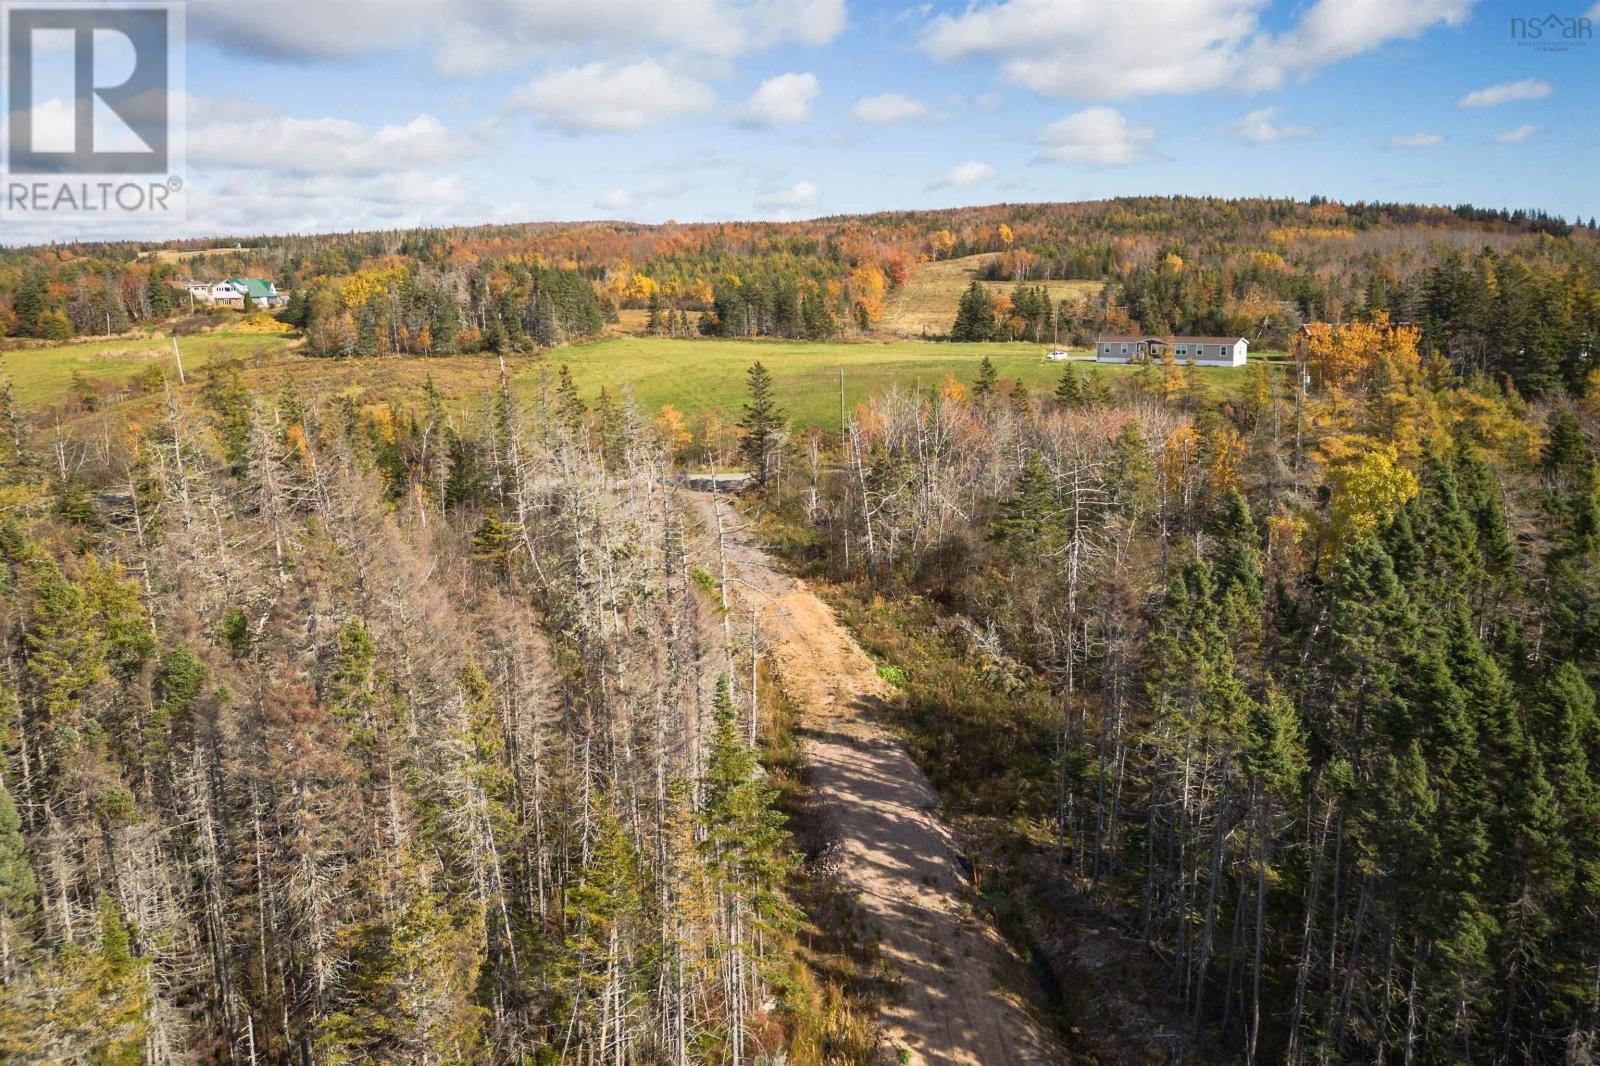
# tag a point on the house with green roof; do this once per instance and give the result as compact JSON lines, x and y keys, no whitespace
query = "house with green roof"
{"x":231,"y":293}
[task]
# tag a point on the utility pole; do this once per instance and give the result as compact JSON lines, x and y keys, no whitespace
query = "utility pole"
{"x":178,"y":356}
{"x":841,"y":403}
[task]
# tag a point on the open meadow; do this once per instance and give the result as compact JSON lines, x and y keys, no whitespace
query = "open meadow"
{"x":707,"y":375}
{"x":925,"y":306}
{"x":693,"y":376}
{"x":44,"y":376}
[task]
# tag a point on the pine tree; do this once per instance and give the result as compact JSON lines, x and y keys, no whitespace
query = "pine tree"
{"x":1070,"y":391}
{"x":974,"y":316}
{"x":1237,"y":558}
{"x":988,"y":382}
{"x":18,"y":902}
{"x":746,"y":848}
{"x":596,"y":966}
{"x":570,"y":409}
{"x":1096,"y":393}
{"x":762,"y":424}
{"x":653,"y":321}
{"x":160,"y":295}
{"x":1028,"y":514}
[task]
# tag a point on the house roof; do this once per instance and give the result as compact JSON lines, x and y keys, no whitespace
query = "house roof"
{"x":258,"y":289}
{"x":1118,"y":338}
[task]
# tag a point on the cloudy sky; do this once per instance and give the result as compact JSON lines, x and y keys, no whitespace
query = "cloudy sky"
{"x":313,"y":115}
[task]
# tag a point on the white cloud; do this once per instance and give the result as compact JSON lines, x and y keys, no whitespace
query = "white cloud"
{"x":1507,"y":92}
{"x":1262,"y":126}
{"x":1089,"y":49}
{"x":800,"y":194}
{"x":887,"y":109}
{"x":1416,"y":140}
{"x":1096,"y":136}
{"x":289,"y":145}
{"x":786,"y":98}
{"x":1516,"y":136}
{"x":609,"y":96}
{"x":632,"y":202}
{"x":965,"y":176}
{"x":474,"y":37}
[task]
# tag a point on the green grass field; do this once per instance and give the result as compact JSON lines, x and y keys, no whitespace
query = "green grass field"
{"x":701,"y":375}
{"x":692,"y":375}
{"x":43,"y":376}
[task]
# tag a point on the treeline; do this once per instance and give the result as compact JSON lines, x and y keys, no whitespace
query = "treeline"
{"x":1025,"y":315}
{"x":1301,"y":682}
{"x":776,"y":306}
{"x":1268,"y":260}
{"x":1532,"y":314}
{"x":397,"y":308}
{"x":329,"y":733}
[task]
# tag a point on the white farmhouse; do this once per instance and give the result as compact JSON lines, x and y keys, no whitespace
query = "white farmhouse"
{"x":1201,"y":351}
{"x":231,"y":293}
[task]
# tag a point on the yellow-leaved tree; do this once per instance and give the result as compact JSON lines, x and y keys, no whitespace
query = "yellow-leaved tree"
{"x":1365,"y":491}
{"x":1338,"y":355}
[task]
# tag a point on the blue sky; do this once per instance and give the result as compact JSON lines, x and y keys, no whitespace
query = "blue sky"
{"x":342,"y":114}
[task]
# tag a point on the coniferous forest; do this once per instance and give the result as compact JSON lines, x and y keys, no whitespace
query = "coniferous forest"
{"x":1299,"y":684}
{"x":336,"y":739}
{"x":381,"y":724}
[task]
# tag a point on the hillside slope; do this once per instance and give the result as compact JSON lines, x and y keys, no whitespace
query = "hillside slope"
{"x":926,"y":304}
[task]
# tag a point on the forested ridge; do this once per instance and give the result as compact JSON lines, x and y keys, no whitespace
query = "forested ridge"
{"x":1514,"y":290}
{"x":331,"y":736}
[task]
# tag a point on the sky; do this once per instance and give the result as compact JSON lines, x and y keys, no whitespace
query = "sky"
{"x":333,"y":115}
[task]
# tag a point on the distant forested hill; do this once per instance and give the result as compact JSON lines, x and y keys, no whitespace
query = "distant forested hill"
{"x":1511,"y":292}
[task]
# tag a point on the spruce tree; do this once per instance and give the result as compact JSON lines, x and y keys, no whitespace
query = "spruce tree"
{"x":1070,"y":391}
{"x":18,"y":888}
{"x":974,"y":316}
{"x":1028,"y":513}
{"x":988,"y":382}
{"x":762,"y":424}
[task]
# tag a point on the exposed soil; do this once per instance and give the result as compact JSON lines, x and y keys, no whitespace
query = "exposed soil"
{"x":895,"y":852}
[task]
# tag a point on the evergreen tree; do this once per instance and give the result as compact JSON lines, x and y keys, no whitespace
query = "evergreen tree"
{"x":160,"y":295}
{"x":570,"y":408}
{"x":762,"y":424}
{"x":1070,"y":391}
{"x":1028,"y":514}
{"x":18,"y":902}
{"x":988,"y":382}
{"x":974,"y":316}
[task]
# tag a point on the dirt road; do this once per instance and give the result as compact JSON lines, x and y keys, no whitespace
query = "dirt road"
{"x":896,"y":853}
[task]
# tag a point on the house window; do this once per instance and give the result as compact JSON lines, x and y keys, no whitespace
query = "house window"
{"x":1124,"y":349}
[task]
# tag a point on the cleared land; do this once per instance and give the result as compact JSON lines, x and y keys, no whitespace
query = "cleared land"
{"x":709,"y":375}
{"x":694,"y":376}
{"x":176,"y":255}
{"x":894,"y":852}
{"x":925,"y":306}
{"x":43,"y":376}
